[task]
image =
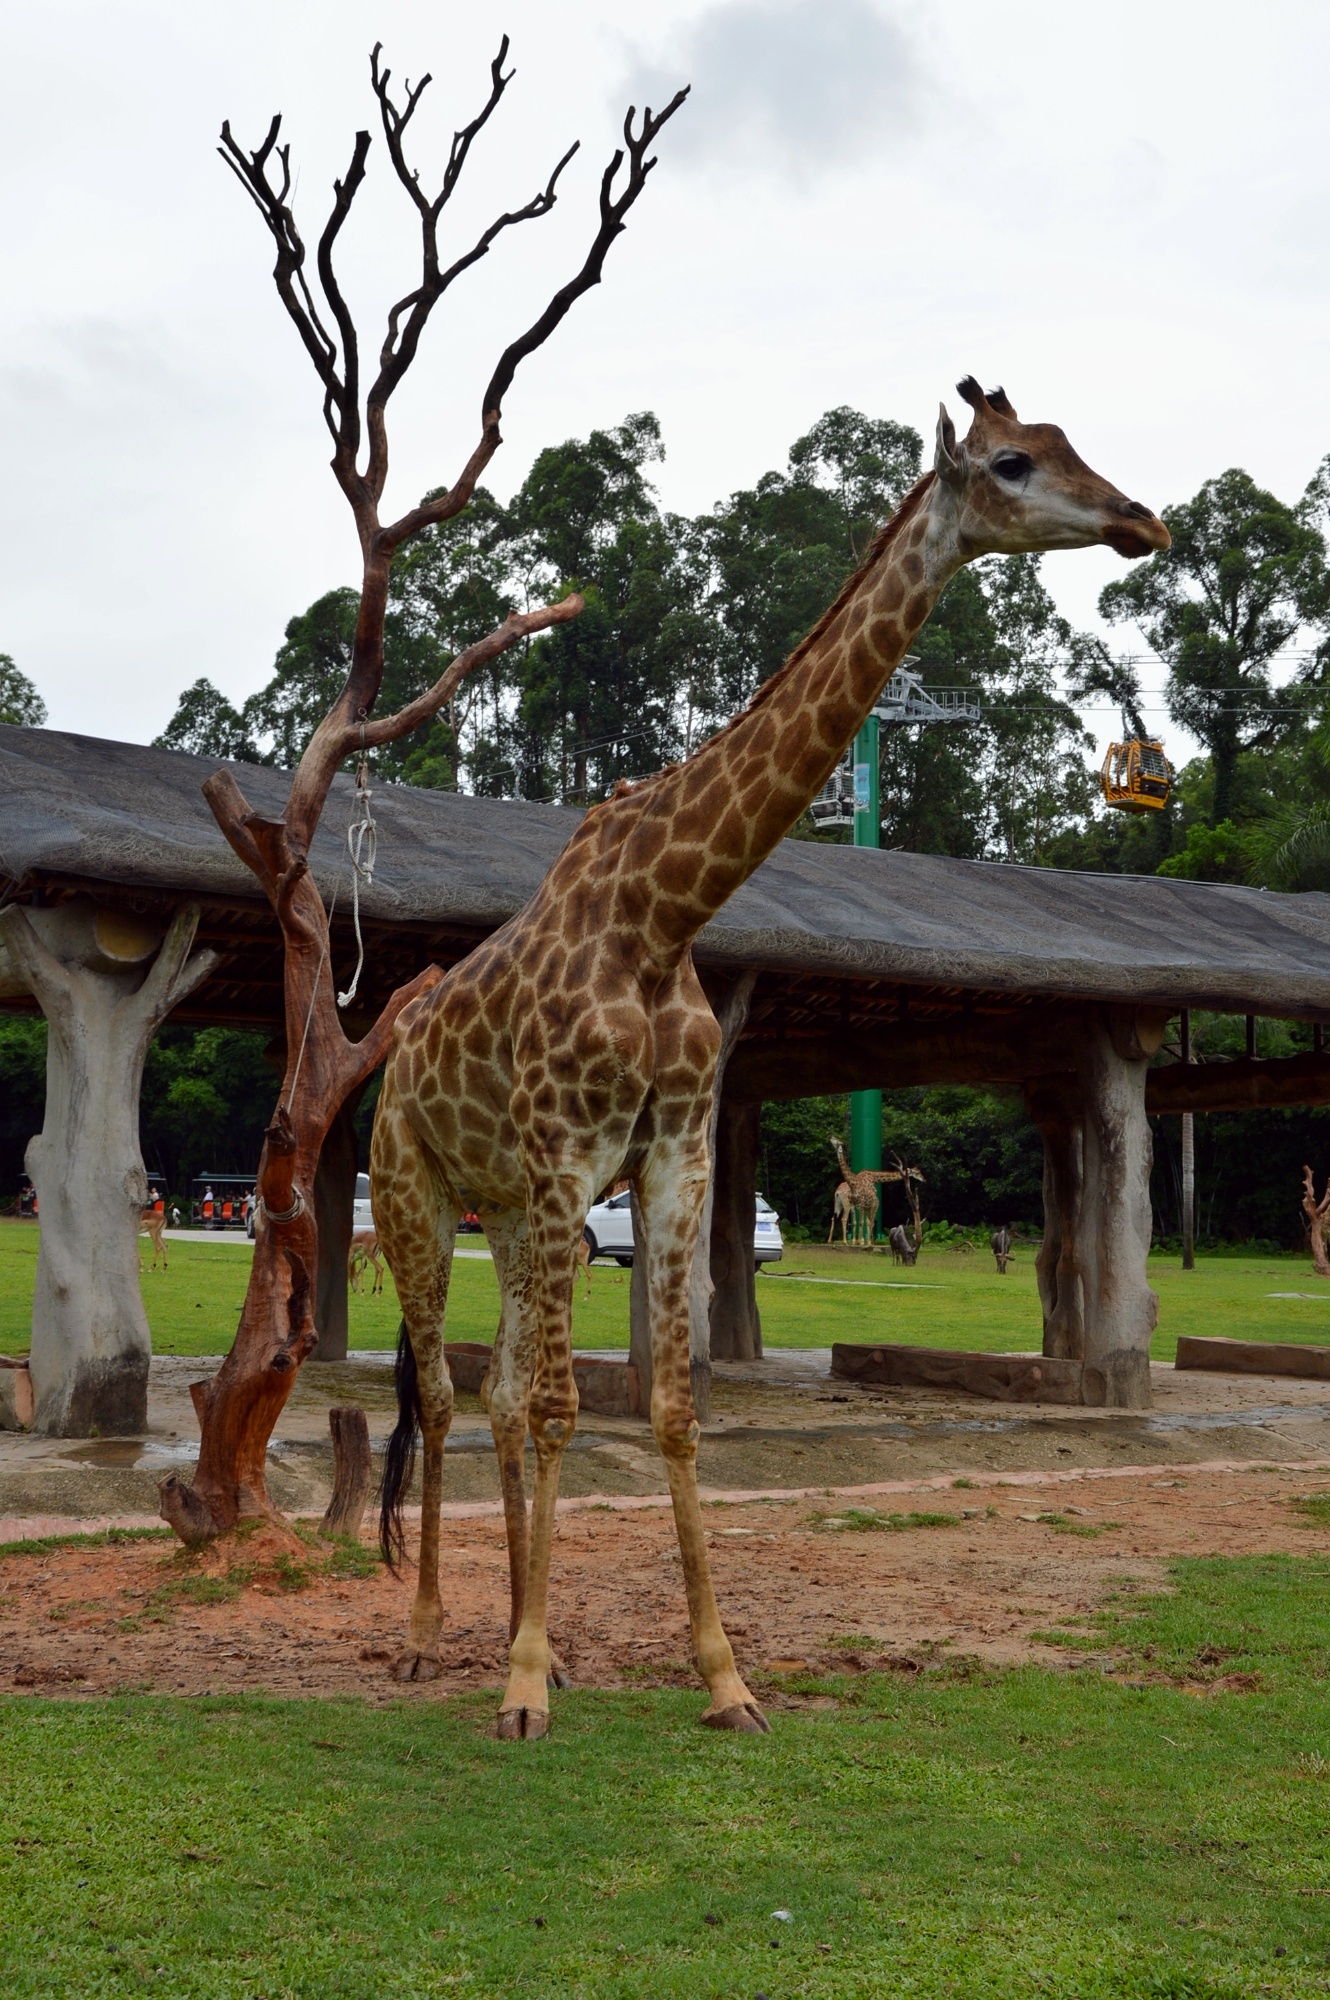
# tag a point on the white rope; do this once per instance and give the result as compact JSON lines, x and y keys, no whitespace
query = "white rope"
{"x":362,"y":839}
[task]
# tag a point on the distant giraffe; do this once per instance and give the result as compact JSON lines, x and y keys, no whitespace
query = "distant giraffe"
{"x":861,"y":1189}
{"x":840,"y":1212}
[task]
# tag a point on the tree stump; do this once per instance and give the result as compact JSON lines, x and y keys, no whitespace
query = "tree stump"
{"x":353,"y":1471}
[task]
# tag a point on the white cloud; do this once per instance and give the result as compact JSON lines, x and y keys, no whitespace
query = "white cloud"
{"x":804,"y":86}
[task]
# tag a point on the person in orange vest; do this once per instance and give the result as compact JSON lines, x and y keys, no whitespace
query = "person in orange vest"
{"x":207,"y":1208}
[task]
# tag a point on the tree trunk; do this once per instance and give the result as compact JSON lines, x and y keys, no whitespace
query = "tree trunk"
{"x":105,"y":982}
{"x":736,"y":1326}
{"x":731,"y":1015}
{"x":334,"y":1214}
{"x":1098,"y":1305}
{"x":353,"y":1471}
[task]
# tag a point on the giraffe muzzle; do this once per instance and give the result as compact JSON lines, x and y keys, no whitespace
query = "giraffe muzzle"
{"x":1133,"y":531}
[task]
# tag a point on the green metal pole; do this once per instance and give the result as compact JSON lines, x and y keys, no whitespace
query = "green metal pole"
{"x":866,"y":1105}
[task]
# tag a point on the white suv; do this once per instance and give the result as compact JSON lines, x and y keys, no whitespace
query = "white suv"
{"x":609,"y":1231}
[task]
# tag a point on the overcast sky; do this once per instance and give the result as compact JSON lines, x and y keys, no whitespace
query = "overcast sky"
{"x":1117,"y":213}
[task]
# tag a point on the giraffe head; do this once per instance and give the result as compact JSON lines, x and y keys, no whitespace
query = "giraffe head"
{"x":1011,"y":488}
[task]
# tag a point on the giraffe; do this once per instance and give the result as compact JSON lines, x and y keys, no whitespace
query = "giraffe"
{"x":576,"y":1045}
{"x":861,"y":1192}
{"x":840,"y":1212}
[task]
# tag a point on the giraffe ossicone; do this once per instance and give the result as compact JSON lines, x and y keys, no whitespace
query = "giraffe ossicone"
{"x":576,"y":1047}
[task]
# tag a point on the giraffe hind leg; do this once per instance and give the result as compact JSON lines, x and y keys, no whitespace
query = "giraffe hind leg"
{"x":417,"y":1217}
{"x":506,"y":1393}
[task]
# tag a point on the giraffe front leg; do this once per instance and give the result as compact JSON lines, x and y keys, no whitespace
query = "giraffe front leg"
{"x":670,"y":1195}
{"x":555,"y":1215}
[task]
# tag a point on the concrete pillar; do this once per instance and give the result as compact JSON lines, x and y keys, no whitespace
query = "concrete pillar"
{"x":105,"y":981}
{"x":1098,"y":1306}
{"x":736,"y":1325}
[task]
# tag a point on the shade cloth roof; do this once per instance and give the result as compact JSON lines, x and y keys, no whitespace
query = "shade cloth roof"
{"x":81,"y":809}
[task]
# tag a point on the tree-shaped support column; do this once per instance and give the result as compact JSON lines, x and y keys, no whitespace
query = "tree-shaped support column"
{"x":1098,"y":1306}
{"x":105,"y":982}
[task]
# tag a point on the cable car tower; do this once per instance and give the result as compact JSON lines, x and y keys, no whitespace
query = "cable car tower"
{"x":850,"y":798}
{"x":850,"y":795}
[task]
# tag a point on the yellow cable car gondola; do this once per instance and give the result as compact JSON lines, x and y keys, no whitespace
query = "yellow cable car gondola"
{"x":1137,"y":777}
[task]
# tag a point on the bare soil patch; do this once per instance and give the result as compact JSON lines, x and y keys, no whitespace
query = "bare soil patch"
{"x":807,"y":1583}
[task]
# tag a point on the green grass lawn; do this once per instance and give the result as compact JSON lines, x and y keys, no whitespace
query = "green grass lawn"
{"x":951,"y":1298}
{"x":958,"y":1832}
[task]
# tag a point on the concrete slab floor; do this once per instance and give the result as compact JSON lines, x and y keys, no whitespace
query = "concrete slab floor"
{"x":779,"y":1423}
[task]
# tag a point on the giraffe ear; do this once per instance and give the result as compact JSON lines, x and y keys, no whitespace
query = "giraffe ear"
{"x":945,"y":463}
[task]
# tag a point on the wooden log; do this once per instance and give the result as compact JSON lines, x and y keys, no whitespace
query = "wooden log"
{"x":1282,"y":1081}
{"x":16,"y":1398}
{"x":353,"y":1470}
{"x":1002,"y":1378}
{"x":1253,"y":1357}
{"x":606,"y":1388}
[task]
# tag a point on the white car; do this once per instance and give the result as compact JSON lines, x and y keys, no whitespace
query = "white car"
{"x":609,"y":1231}
{"x":362,"y":1215}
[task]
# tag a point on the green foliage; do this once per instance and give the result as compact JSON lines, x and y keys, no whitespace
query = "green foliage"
{"x":1244,"y":572}
{"x":1217,"y":853}
{"x":797,"y":1169}
{"x":980,"y":1155}
{"x":208,"y":1095}
{"x":22,"y":1093}
{"x":20,"y":702}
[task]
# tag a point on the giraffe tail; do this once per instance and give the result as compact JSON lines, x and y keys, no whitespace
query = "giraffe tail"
{"x":399,"y":1459}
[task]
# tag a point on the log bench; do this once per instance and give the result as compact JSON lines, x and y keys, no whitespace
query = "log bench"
{"x":16,"y":1399}
{"x":604,"y":1388}
{"x":1253,"y":1357}
{"x":1002,"y":1378}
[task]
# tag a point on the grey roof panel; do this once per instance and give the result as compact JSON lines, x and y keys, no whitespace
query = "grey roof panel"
{"x":124,"y":813}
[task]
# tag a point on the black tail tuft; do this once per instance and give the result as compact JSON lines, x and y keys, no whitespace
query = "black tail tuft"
{"x":399,"y":1460}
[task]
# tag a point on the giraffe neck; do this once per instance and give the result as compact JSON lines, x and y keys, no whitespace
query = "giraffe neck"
{"x":693,"y":835}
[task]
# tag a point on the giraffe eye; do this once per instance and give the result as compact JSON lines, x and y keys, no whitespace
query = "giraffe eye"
{"x":1013,"y":465}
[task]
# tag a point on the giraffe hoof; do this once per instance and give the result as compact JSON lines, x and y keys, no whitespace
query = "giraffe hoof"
{"x":417,"y":1666}
{"x":745,"y":1716}
{"x":558,"y":1675}
{"x":522,"y":1724}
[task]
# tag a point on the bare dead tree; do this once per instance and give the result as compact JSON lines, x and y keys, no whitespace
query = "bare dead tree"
{"x":1318,"y":1219}
{"x":908,"y":1177}
{"x":239,"y":1407}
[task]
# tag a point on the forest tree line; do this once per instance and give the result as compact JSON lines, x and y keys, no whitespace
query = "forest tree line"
{"x":686,"y":616}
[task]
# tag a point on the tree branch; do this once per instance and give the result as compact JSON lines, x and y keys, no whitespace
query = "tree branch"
{"x":45,"y":974}
{"x":364,"y":1056}
{"x":174,"y":974}
{"x":613,"y":211}
{"x":233,"y":812}
{"x":251,"y":170}
{"x":336,"y":738}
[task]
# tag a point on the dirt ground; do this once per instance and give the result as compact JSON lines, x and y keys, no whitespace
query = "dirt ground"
{"x":795,"y":1590}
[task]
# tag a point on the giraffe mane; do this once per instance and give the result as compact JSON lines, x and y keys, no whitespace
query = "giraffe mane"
{"x":885,"y":535}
